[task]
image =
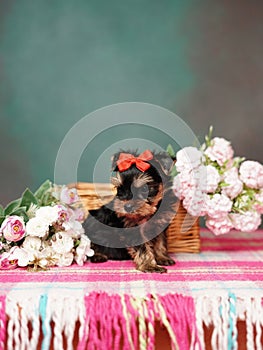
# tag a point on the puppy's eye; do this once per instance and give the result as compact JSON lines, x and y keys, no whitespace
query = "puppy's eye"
{"x":144,"y":189}
{"x":143,"y":192}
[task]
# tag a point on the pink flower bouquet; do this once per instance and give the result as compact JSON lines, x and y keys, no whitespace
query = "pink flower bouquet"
{"x":226,"y":190}
{"x":43,"y":229}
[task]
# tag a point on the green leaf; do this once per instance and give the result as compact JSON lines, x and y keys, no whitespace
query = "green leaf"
{"x":28,"y":198}
{"x":48,"y":199}
{"x":238,"y":161}
{"x":77,"y":243}
{"x":223,"y":184}
{"x":21,"y":212}
{"x":174,"y":172}
{"x":2,"y":218}
{"x":2,"y":211}
{"x":47,"y":185}
{"x":12,"y":206}
{"x":170,"y":151}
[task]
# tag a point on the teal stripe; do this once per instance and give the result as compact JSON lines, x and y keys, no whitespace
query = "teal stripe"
{"x":232,"y":339}
{"x":46,"y":329}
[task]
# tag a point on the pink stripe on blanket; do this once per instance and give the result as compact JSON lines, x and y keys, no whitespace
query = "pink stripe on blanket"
{"x":233,"y":241}
{"x":225,"y":265}
{"x":3,"y":321}
{"x":125,"y":271}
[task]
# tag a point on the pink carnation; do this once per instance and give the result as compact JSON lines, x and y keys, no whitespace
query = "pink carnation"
{"x":185,"y":182}
{"x":219,"y":226}
{"x":188,"y":181}
{"x":234,"y":185}
{"x":188,"y":158}
{"x":218,"y":206}
{"x":194,"y":203}
{"x":177,"y":187}
{"x":212,"y":178}
{"x":251,"y":173}
{"x":220,"y":150}
{"x":247,"y":221}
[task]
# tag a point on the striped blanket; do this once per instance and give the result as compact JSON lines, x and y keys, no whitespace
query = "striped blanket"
{"x":99,"y":306}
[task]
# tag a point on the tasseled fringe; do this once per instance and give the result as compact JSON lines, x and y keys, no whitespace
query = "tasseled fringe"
{"x":222,"y":314}
{"x":112,"y":320}
{"x":35,"y":321}
{"x":101,"y":321}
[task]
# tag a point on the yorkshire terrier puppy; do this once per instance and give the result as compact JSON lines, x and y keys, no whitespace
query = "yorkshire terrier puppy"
{"x":133,"y":224}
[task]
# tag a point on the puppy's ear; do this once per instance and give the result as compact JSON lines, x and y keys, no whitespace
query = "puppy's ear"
{"x":165,"y":161}
{"x":114,"y":159}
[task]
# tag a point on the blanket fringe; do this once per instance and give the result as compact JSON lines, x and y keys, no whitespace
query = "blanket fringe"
{"x":35,"y":319}
{"x":132,"y":320}
{"x":102,"y":321}
{"x":222,"y":313}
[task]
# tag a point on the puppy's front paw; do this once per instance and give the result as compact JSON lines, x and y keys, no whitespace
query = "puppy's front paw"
{"x":99,"y":258}
{"x":157,"y":269}
{"x":165,"y":261}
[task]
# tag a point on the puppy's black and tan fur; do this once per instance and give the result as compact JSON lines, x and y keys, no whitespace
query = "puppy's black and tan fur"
{"x":140,"y":212}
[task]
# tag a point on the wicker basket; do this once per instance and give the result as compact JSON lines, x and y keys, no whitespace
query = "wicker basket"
{"x":183,"y":234}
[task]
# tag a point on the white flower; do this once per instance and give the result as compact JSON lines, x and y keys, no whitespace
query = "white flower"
{"x":48,"y":214}
{"x":65,"y":259}
{"x":220,"y":150}
{"x":234,"y":185}
{"x":48,"y":254}
{"x":22,"y":256}
{"x":251,"y":173}
{"x":30,"y":256}
{"x":83,"y":250}
{"x":188,"y":158}
{"x":74,"y":228}
{"x":62,"y":243}
{"x":37,"y":227}
{"x":218,"y":206}
{"x":32,"y":243}
{"x":247,"y":221}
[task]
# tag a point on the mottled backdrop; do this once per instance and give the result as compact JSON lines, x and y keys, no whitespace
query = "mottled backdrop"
{"x":60,"y":60}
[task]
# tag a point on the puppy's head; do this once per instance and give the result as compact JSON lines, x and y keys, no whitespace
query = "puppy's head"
{"x":140,"y":182}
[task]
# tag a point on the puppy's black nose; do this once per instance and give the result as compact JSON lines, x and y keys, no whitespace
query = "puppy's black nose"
{"x":128,"y":207}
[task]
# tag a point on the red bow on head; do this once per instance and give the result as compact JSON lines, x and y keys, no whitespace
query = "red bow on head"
{"x":126,"y":160}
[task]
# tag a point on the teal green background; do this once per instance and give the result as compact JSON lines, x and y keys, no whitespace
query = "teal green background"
{"x":60,"y":60}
